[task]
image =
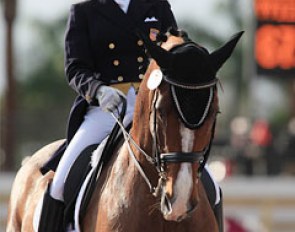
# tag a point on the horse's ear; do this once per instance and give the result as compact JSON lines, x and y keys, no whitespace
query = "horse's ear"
{"x":163,"y":57}
{"x":219,"y":56}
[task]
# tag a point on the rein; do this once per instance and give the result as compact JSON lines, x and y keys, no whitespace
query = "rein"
{"x":129,"y":139}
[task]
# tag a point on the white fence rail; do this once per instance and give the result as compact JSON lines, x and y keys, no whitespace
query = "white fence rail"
{"x":261,"y":204}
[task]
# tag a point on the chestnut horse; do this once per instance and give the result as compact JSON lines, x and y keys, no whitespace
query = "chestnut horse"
{"x":152,"y":182}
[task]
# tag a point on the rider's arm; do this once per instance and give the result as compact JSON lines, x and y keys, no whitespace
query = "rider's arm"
{"x":79,"y":63}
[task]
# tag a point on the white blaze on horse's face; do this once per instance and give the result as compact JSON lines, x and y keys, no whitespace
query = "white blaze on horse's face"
{"x":183,"y":185}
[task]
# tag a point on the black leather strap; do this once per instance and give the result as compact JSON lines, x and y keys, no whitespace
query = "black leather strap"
{"x":182,"y":157}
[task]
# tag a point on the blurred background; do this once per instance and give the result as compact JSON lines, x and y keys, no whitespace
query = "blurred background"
{"x":253,"y":155}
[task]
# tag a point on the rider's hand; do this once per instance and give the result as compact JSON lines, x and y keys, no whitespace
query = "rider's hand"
{"x":109,"y":98}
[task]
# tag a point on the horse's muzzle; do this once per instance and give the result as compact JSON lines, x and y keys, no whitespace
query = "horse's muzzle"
{"x":170,"y":215}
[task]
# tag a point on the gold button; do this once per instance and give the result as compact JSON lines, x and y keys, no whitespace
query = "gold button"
{"x":120,"y":78}
{"x":140,"y":59}
{"x":141,"y":76}
{"x":140,"y":42}
{"x":111,"y":45}
{"x":116,"y":62}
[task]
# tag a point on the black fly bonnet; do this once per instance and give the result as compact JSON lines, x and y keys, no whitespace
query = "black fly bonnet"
{"x":192,"y":82}
{"x":191,"y":71}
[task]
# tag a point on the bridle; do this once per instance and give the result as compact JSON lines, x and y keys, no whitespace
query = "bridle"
{"x":158,"y":159}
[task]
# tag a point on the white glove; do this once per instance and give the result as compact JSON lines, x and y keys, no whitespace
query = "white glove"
{"x":109,"y":98}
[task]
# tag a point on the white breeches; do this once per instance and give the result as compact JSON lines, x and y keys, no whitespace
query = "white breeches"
{"x":96,"y":126}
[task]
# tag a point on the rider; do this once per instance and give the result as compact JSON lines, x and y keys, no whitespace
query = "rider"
{"x":103,"y":60}
{"x":103,"y":63}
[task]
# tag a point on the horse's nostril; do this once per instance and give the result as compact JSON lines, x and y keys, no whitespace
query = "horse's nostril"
{"x":166,"y":205}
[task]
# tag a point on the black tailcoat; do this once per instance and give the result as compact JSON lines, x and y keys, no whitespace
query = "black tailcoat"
{"x":102,"y":47}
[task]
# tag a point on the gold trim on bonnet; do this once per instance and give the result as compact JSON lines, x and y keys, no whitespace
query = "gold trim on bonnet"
{"x":124,"y":87}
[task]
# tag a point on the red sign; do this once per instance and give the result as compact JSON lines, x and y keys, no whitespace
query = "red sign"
{"x":275,"y":36}
{"x":275,"y":10}
{"x":275,"y":46}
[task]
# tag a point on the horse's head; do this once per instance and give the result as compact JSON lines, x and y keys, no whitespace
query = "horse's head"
{"x":178,"y":104}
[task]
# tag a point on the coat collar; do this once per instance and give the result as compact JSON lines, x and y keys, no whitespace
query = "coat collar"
{"x":135,"y":14}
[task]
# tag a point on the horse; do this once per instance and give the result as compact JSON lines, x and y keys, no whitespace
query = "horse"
{"x":152,"y":181}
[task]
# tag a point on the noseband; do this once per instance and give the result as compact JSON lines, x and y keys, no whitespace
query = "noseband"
{"x":179,"y":157}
